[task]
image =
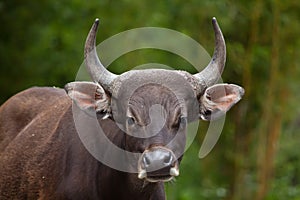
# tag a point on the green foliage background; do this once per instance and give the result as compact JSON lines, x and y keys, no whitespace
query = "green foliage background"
{"x":257,"y":156}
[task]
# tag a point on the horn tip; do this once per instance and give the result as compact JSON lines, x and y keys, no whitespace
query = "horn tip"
{"x":216,"y":26}
{"x":214,"y":20}
{"x":97,"y":21}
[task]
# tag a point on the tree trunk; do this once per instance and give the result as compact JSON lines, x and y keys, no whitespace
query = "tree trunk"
{"x":270,"y":125}
{"x":243,"y":133}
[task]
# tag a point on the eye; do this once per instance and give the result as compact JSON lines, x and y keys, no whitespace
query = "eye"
{"x":182,"y":120}
{"x":130,"y":121}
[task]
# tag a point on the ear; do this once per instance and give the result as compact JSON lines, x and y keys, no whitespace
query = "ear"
{"x":218,"y":99}
{"x":89,"y":97}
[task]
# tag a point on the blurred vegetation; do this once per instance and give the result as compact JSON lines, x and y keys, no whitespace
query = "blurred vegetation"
{"x":257,"y":156}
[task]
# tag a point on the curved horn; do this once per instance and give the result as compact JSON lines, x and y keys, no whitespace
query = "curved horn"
{"x":213,"y":71}
{"x":95,"y":68}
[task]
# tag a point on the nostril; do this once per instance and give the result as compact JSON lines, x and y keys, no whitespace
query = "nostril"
{"x":146,"y":161}
{"x":168,"y":159}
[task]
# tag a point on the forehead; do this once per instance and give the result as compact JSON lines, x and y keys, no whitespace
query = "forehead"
{"x":154,"y":99}
{"x":149,"y":87}
{"x":130,"y":82}
{"x":153,"y":93}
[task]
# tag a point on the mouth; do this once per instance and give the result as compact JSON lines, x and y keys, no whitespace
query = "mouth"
{"x":154,"y":177}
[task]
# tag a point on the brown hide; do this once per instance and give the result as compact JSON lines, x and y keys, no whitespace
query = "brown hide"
{"x":42,"y":156}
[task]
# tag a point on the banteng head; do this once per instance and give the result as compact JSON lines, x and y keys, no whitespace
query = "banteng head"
{"x":153,"y":106}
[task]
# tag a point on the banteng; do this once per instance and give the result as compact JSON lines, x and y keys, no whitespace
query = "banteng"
{"x":142,"y":112}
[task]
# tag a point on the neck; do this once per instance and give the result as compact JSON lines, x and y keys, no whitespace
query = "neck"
{"x":121,"y":185}
{"x":116,"y":184}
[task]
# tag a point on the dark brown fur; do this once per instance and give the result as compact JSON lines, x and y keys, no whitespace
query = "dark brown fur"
{"x":42,"y":156}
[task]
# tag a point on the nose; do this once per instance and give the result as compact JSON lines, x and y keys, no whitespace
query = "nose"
{"x":157,"y":159}
{"x":158,"y":162}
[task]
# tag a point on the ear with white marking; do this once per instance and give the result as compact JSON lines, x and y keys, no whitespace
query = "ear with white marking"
{"x":89,"y":97}
{"x":218,"y":99}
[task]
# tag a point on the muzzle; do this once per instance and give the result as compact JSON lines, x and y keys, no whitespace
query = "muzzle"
{"x":158,"y":164}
